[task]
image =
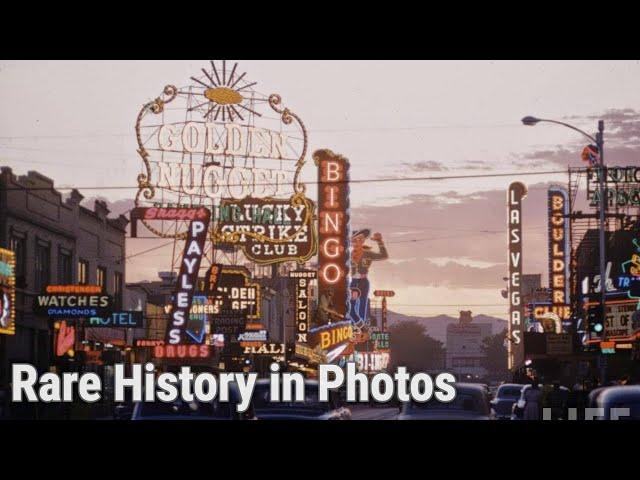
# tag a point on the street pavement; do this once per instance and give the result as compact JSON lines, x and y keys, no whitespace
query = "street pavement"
{"x":368,"y":413}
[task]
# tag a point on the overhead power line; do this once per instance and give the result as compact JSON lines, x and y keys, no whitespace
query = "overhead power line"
{"x":356,"y":181}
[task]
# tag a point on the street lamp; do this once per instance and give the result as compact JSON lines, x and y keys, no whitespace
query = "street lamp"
{"x":599,"y":141}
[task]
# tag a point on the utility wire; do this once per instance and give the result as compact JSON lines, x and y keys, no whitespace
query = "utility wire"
{"x":356,"y":181}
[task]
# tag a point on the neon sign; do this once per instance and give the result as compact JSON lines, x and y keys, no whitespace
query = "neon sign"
{"x":558,"y":209}
{"x":331,"y":336}
{"x":145,"y":342}
{"x":303,"y":312}
{"x":65,"y":339}
{"x":187,"y":279}
{"x":372,"y":361}
{"x":132,"y":319}
{"x":7,"y":292}
{"x":73,"y":301}
{"x":333,"y":235}
{"x":216,"y":138}
{"x":517,"y":191}
{"x":181,"y":351}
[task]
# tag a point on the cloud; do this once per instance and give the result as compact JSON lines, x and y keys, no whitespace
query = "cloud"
{"x":426,"y":166}
{"x":425,"y":272}
{"x":473,"y":227}
{"x":477,"y":165}
{"x":622,"y":143}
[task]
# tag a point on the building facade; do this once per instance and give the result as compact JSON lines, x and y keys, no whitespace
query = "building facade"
{"x":56,"y":241}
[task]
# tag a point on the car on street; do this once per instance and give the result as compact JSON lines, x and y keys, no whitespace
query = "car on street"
{"x":506,"y":395}
{"x":471,"y":403}
{"x":592,"y":398}
{"x":619,"y":397}
{"x":195,"y":410}
{"x":311,"y":408}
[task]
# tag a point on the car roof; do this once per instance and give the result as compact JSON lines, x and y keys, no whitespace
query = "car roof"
{"x":511,"y":385}
{"x":470,"y":387}
{"x":620,"y":392}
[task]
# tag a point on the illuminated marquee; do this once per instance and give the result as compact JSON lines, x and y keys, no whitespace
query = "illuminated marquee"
{"x":333,"y":235}
{"x":269,"y":230}
{"x":303,"y":312}
{"x":240,"y":300}
{"x":7,"y":292}
{"x":187,"y":279}
{"x":558,"y":205}
{"x":516,"y":193}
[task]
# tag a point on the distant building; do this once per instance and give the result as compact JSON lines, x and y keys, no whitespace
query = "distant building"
{"x":464,"y":352}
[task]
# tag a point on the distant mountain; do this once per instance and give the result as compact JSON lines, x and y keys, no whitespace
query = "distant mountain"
{"x":437,"y":326}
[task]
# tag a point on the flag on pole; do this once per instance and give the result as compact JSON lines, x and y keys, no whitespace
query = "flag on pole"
{"x":591,"y":155}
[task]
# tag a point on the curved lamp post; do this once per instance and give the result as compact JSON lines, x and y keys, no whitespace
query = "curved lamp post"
{"x":599,"y":141}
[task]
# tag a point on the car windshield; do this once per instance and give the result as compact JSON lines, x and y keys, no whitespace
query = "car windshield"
{"x":512,"y":392}
{"x":262,"y":400}
{"x":463,"y":402}
{"x":180,"y":408}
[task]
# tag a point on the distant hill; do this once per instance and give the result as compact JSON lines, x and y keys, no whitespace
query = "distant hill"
{"x":437,"y":326}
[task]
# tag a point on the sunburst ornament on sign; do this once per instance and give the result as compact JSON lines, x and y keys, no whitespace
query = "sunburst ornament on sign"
{"x":224,"y":93}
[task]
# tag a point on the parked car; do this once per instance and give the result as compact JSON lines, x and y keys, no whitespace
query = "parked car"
{"x":471,"y":403}
{"x":181,"y":410}
{"x":619,"y":397}
{"x":506,"y":395}
{"x":592,"y":399}
{"x":311,"y":408}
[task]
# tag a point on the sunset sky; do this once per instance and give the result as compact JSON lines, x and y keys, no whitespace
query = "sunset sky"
{"x":74,"y":122}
